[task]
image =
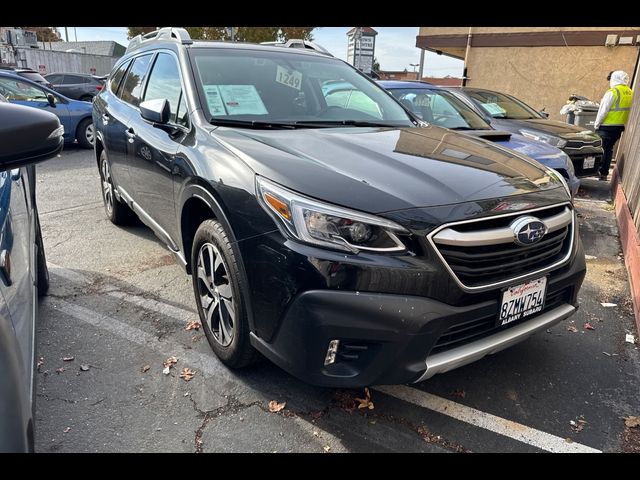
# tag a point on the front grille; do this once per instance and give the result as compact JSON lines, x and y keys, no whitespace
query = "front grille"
{"x":478,"y":328}
{"x":578,"y":144}
{"x":496,"y":259}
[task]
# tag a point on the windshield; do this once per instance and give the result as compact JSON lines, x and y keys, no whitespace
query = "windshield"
{"x":501,"y":106}
{"x":439,"y":108}
{"x":34,"y":77}
{"x":266,"y":87}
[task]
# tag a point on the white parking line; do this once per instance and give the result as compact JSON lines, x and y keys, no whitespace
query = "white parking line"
{"x":501,"y":426}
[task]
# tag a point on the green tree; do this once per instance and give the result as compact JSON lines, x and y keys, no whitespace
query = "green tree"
{"x":133,"y":31}
{"x":376,"y":65}
{"x":45,"y":34}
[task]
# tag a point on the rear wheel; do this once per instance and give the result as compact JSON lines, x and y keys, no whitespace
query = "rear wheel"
{"x":119,"y":213}
{"x":86,"y":133}
{"x":219,"y":295}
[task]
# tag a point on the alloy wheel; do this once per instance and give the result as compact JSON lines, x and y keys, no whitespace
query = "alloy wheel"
{"x":107,"y":187}
{"x":90,"y":133}
{"x":215,"y":293}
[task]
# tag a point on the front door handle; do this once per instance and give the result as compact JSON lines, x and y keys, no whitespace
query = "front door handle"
{"x":105,"y":118}
{"x":131,"y":135}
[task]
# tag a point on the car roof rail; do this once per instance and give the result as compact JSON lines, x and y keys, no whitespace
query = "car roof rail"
{"x":300,"y":43}
{"x":166,"y":33}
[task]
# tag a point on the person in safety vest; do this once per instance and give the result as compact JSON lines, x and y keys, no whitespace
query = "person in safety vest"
{"x":612,"y":116}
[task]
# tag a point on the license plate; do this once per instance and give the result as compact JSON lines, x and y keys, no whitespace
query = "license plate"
{"x":522,"y":300}
{"x":588,"y":162}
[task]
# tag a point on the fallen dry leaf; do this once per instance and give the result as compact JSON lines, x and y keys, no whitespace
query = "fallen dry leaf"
{"x":60,"y":370}
{"x":578,"y":424}
{"x":166,"y":370}
{"x":193,"y":326}
{"x":571,"y":328}
{"x":588,"y":326}
{"x":344,"y":400}
{"x":146,"y":368}
{"x":326,"y":448}
{"x":632,"y":422}
{"x":40,"y":363}
{"x":170,"y":362}
{"x":66,"y":430}
{"x":366,"y":401}
{"x":459,"y":393}
{"x":84,"y":368}
{"x":274,"y":406}
{"x":187,"y":374}
{"x":68,"y":359}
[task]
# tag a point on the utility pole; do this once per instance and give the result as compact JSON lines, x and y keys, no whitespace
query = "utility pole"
{"x":421,"y":69}
{"x":66,"y":34}
{"x":414,"y":65}
{"x":466,"y":57}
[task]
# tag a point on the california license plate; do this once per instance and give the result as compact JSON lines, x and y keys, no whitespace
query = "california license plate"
{"x":588,"y":162}
{"x":522,"y":300}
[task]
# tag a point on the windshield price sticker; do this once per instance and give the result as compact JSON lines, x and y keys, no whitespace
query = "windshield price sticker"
{"x":290,"y":78}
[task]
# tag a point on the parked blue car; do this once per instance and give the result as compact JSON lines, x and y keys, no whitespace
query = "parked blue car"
{"x":75,"y":116}
{"x":438,"y":106}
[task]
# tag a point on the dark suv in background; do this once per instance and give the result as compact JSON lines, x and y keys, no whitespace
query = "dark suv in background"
{"x":350,"y":245}
{"x":78,"y":86}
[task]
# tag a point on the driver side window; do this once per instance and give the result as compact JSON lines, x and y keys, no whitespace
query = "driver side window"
{"x":18,"y":90}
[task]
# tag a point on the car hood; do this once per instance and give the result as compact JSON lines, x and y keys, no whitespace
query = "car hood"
{"x":383,"y":169}
{"x":552,"y":127}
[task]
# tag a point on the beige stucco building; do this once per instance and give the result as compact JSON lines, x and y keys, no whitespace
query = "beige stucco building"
{"x":540,"y":65}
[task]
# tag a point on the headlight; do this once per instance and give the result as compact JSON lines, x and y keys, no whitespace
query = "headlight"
{"x":555,"y":174}
{"x":57,"y":133}
{"x":541,"y":137}
{"x":327,"y":225}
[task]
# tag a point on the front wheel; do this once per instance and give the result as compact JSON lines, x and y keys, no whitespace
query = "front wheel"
{"x":86,"y":133}
{"x":41,"y":263}
{"x":219,"y":295}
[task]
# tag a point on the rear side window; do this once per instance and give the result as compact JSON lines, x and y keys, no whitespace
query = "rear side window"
{"x":72,"y":79}
{"x":131,"y":90}
{"x":55,"y":79}
{"x":164,"y":82}
{"x":116,"y":77}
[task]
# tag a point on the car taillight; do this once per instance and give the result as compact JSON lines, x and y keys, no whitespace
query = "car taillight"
{"x":99,"y":87}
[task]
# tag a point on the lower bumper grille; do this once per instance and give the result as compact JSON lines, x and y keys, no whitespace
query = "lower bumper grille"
{"x":472,"y":330}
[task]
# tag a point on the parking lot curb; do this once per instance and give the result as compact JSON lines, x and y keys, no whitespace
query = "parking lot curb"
{"x":630,"y":241}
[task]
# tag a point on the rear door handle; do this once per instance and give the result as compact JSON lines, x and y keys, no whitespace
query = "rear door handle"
{"x":105,"y":118}
{"x":131,"y":135}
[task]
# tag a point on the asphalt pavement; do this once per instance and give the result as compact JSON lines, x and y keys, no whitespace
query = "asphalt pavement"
{"x":119,"y":306}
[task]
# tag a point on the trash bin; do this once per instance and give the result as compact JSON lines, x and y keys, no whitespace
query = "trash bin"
{"x":581,"y":111}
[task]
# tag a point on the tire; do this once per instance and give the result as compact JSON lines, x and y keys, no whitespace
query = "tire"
{"x":118,"y":212}
{"x":41,"y":264}
{"x":228,"y":329}
{"x":86,"y":133}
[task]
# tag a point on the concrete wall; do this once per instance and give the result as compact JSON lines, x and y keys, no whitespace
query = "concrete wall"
{"x":465,"y":30}
{"x":65,"y":61}
{"x":546,"y":76}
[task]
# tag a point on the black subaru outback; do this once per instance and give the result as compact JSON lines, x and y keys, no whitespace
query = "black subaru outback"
{"x":323,"y":225}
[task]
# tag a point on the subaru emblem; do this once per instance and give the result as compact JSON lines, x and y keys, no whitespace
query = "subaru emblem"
{"x":528,"y":230}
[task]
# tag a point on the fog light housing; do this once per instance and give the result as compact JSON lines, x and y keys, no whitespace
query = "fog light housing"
{"x":330,"y":357}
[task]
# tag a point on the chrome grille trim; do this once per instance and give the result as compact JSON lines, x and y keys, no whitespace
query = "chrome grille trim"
{"x":493,"y":236}
{"x":508,"y":281}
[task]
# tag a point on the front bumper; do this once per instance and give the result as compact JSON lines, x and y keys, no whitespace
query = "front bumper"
{"x":391,"y":339}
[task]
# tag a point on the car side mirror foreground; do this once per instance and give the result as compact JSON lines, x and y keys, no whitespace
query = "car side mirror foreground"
{"x":51,"y":99}
{"x":27,"y":135}
{"x":543,"y":113}
{"x":156,"y":111}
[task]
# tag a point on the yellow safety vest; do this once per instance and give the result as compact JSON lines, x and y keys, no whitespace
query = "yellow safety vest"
{"x":619,"y":111}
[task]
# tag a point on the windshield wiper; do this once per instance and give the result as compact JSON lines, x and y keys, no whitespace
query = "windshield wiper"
{"x":349,"y":123}
{"x":228,"y":122}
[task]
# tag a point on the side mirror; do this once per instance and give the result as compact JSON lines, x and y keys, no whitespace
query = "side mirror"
{"x":156,"y":111}
{"x":543,"y":113}
{"x":51,"y":99}
{"x":28,"y":135}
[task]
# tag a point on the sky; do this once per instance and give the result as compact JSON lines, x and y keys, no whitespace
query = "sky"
{"x":395,"y":46}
